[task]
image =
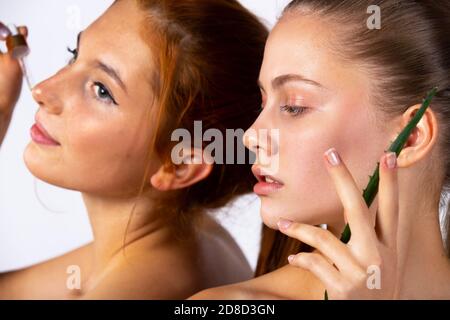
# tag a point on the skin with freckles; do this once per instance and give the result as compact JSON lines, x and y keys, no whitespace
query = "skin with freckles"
{"x":94,"y":133}
{"x":317,"y":102}
{"x":97,"y":111}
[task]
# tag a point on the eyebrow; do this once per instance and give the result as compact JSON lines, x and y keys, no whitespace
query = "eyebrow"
{"x":111,"y":72}
{"x":105,"y":68}
{"x":286,"y":78}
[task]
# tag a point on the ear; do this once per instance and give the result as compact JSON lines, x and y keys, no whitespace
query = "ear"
{"x":193,"y":169}
{"x":422,"y":138}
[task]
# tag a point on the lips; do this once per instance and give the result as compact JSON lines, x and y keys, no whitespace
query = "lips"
{"x":41,"y":136}
{"x":267,"y":184}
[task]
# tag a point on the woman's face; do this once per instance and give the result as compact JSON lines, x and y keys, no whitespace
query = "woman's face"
{"x":96,"y":108}
{"x":300,"y":70}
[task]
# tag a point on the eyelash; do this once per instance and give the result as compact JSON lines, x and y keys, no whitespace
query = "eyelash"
{"x":109,"y":98}
{"x":293,"y":110}
{"x":74,"y":52}
{"x":260,"y":109}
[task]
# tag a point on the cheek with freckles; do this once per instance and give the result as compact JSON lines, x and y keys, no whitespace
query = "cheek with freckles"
{"x":97,"y":154}
{"x":116,"y":157}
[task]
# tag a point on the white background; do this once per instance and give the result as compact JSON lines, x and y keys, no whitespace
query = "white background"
{"x":39,"y":221}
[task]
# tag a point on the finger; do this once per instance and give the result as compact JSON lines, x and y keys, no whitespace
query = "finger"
{"x":387,"y":217}
{"x":355,"y":208}
{"x":23,"y":30}
{"x":324,"y":241}
{"x":321,"y":268}
{"x":4,"y":32}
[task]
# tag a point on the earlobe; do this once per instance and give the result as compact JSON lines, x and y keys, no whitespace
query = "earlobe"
{"x":421,"y":140}
{"x":162,"y":180}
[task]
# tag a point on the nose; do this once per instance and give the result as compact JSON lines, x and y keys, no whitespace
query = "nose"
{"x":250,"y":140}
{"x":48,"y":95}
{"x":261,"y":138}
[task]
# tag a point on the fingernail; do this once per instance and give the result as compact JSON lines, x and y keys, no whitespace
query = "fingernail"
{"x":284,"y":224}
{"x":391,"y":160}
{"x":333,"y":157}
{"x":4,"y":31}
{"x":291,"y":257}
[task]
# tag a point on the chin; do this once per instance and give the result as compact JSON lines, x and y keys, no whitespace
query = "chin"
{"x":39,"y":166}
{"x":270,"y":214}
{"x":269,"y":220}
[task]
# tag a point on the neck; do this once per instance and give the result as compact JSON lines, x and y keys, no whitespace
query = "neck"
{"x":426,"y":268}
{"x":118,"y":223}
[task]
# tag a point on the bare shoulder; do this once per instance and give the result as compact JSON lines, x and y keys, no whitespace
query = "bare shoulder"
{"x":174,"y":272}
{"x":282,"y":284}
{"x":220,"y":256}
{"x":239,"y":291}
{"x":257,"y":288}
{"x":146,"y":272}
{"x":46,"y":279}
{"x":228,"y":292}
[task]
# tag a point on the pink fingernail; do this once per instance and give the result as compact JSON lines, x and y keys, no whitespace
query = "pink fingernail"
{"x":333,"y":157}
{"x":391,"y":160}
{"x":284,"y":224}
{"x":4,"y":31}
{"x":291,"y":257}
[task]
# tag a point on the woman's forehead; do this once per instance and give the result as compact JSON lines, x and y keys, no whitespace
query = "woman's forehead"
{"x":116,"y":36}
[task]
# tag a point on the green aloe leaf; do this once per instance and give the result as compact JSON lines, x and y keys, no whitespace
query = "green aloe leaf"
{"x":371,"y":189}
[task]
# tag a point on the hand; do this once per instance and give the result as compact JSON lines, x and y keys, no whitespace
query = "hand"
{"x":366,"y":267}
{"x":10,"y":82}
{"x":10,"y":75}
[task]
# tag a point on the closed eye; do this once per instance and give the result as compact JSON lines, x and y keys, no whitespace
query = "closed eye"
{"x":293,"y":110}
